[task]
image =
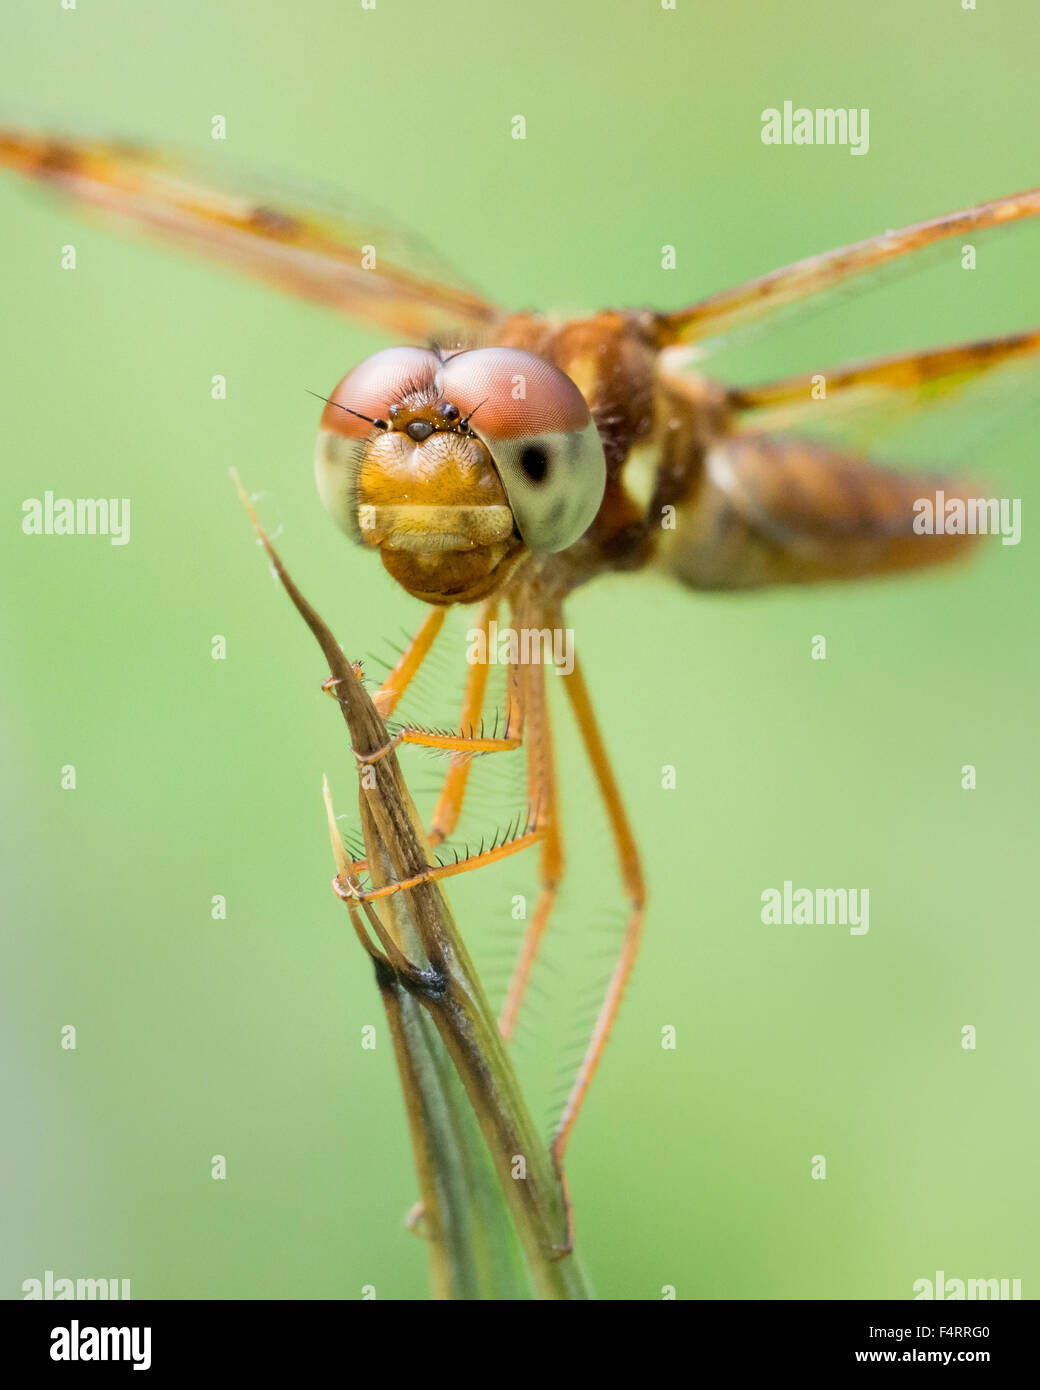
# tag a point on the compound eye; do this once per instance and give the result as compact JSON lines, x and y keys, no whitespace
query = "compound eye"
{"x":374,"y":385}
{"x":371,"y":389}
{"x":542,"y":439}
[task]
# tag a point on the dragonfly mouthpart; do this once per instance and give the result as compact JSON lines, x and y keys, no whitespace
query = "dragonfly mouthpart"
{"x":429,"y":500}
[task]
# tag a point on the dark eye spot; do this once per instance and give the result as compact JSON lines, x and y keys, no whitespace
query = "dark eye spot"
{"x":535,"y":462}
{"x":419,"y":430}
{"x":448,"y":411}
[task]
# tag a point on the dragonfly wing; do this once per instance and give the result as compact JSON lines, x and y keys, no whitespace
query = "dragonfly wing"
{"x":767,"y":294}
{"x":344,"y":259}
{"x":860,"y":401}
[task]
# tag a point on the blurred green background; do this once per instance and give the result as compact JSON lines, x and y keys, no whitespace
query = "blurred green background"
{"x":197,"y":777}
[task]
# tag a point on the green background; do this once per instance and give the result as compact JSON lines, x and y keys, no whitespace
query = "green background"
{"x":196,"y":777}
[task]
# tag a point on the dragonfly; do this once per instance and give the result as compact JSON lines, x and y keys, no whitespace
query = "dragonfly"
{"x":503,"y":460}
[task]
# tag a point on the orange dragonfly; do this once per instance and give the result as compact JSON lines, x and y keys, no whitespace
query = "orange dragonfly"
{"x":505,"y":459}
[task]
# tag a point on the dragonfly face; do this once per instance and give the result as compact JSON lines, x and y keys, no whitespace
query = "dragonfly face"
{"x":453,"y":465}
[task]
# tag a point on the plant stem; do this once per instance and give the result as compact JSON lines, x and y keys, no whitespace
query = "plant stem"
{"x":430,"y":980}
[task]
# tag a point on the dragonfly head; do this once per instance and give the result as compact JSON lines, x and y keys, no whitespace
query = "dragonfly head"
{"x":451,"y":465}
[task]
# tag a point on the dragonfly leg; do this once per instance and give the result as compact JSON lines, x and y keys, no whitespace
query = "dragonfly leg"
{"x":466,"y":744}
{"x":346,"y":886}
{"x":632,"y":879}
{"x":521,"y":834}
{"x":455,"y":743}
{"x":453,"y":789}
{"x":466,"y":741}
{"x":434,"y":873}
{"x":526,"y":688}
{"x":399,"y":679}
{"x":397,"y":682}
{"x":463,"y":745}
{"x":541,"y":783}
